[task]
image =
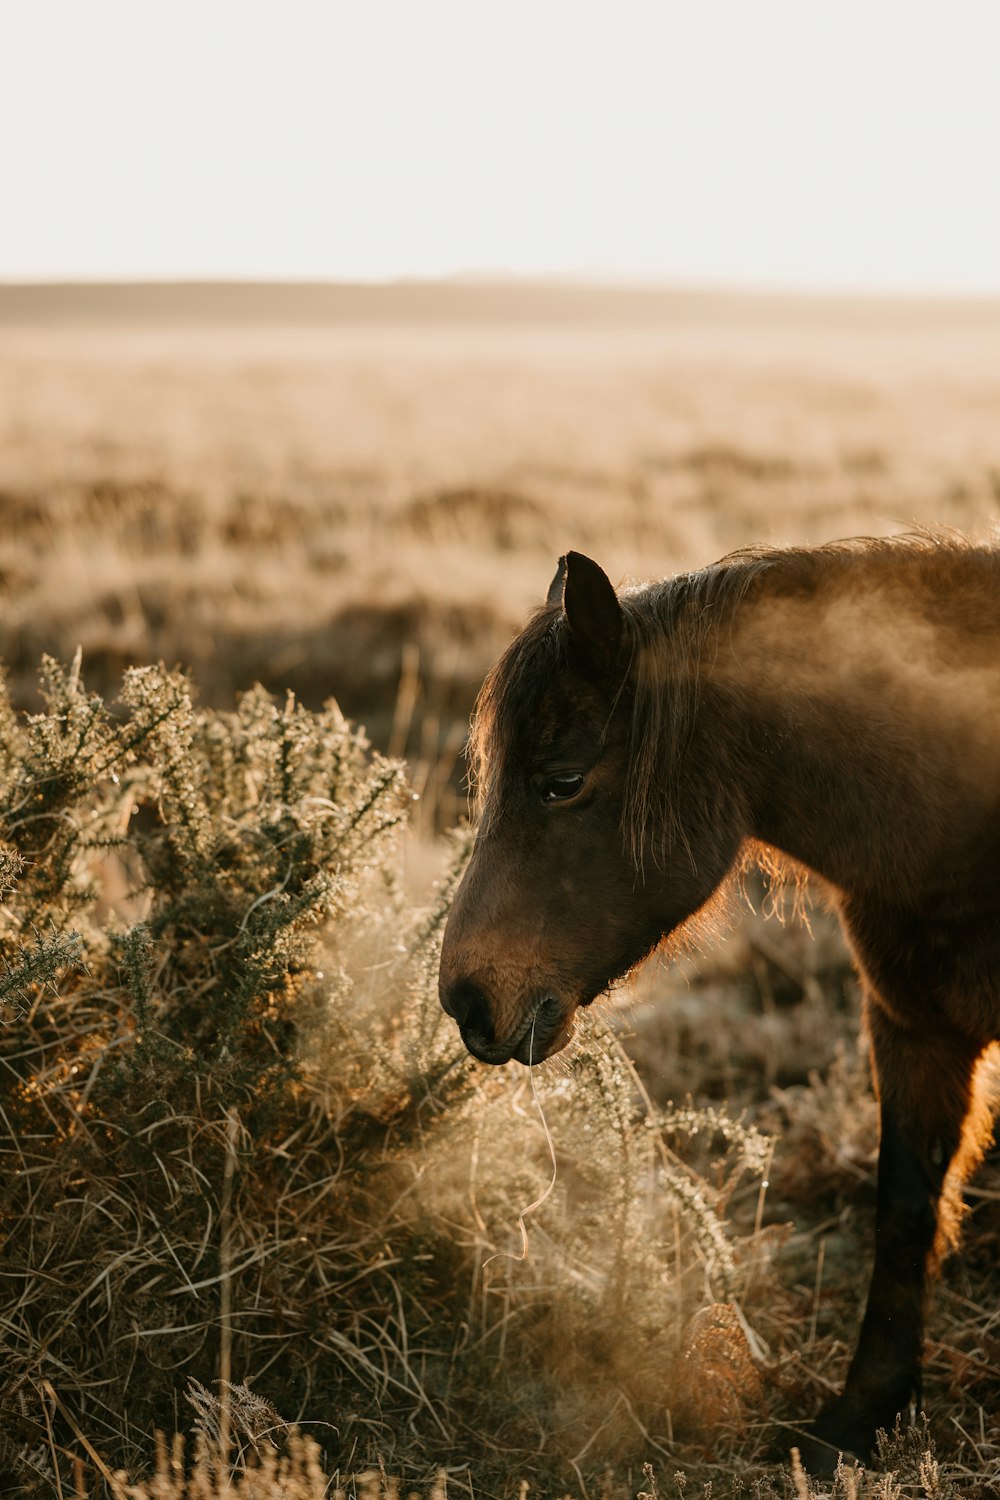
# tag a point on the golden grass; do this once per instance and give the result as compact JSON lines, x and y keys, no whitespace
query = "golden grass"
{"x":369,"y":510}
{"x":303,"y":504}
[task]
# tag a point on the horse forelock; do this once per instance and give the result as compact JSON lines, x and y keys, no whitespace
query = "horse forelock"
{"x":503,"y":718}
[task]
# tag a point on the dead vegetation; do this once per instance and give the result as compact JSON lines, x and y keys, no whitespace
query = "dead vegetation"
{"x":238,"y":1136}
{"x":252,"y":1174}
{"x":254,"y":1181}
{"x":300,"y":505}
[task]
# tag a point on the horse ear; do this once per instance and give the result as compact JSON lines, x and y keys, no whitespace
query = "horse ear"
{"x":554,"y":597}
{"x":593,"y":613}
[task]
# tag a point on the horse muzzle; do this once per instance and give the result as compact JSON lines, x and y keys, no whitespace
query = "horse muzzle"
{"x":545,"y":1029}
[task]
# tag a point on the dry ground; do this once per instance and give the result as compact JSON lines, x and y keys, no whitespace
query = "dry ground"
{"x":363,"y":498}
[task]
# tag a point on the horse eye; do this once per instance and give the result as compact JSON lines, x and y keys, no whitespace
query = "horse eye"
{"x":562,"y":788}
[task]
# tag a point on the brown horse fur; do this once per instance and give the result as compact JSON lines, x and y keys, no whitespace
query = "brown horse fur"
{"x":836,"y":706}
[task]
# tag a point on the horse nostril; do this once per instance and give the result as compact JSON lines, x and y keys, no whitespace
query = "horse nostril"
{"x":470,"y":1008}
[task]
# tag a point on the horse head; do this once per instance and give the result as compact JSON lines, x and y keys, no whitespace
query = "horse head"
{"x":560,"y":898}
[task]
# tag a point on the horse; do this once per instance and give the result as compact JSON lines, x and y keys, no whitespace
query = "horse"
{"x":836,"y":707}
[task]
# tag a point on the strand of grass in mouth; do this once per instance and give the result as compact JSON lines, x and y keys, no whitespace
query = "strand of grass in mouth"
{"x":552,"y":1154}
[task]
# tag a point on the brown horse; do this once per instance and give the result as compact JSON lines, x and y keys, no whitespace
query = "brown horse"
{"x":839,"y":706}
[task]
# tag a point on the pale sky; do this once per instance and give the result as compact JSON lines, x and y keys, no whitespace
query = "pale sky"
{"x":806,"y":143}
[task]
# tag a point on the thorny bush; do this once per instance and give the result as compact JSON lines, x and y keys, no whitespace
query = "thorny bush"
{"x":242,"y":1150}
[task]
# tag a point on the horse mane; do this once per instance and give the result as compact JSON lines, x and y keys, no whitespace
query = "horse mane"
{"x":672,"y":631}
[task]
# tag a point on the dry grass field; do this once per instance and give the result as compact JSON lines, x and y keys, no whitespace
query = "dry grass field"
{"x":360,"y":493}
{"x":342,"y":498}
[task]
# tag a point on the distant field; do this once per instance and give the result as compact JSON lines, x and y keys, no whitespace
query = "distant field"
{"x":338,"y":490}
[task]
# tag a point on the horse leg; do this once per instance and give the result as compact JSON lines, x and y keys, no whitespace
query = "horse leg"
{"x":931,"y":1130}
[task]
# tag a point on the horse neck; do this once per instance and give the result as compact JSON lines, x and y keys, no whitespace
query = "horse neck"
{"x":808,"y":788}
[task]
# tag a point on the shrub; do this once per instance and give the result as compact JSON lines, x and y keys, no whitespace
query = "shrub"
{"x":250,"y":1170}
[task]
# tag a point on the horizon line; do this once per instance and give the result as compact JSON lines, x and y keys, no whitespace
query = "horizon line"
{"x":551,"y":281}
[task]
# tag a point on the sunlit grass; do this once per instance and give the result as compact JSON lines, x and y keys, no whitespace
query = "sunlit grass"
{"x":370,"y":513}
